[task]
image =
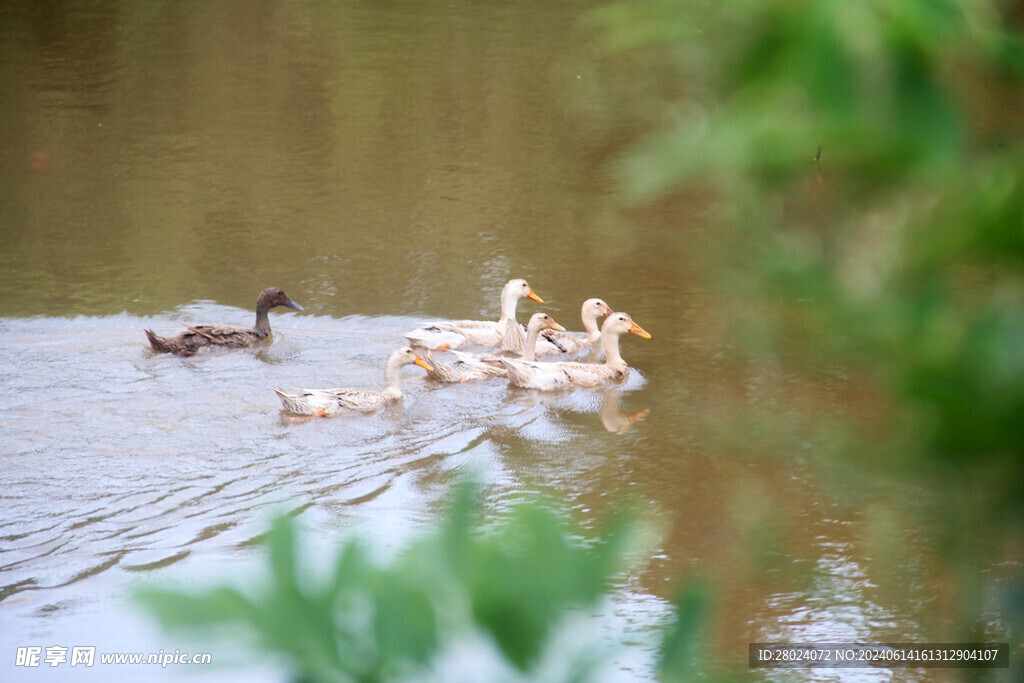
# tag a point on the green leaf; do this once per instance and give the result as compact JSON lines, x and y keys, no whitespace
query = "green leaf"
{"x":680,"y":645}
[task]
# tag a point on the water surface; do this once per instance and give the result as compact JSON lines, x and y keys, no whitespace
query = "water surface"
{"x":385,"y":164}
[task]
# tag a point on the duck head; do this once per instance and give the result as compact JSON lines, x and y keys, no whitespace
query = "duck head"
{"x":620,"y":323}
{"x":543,"y":321}
{"x":275,"y":296}
{"x":519,"y":289}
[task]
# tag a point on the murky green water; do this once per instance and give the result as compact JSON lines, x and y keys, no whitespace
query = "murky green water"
{"x":385,"y":164}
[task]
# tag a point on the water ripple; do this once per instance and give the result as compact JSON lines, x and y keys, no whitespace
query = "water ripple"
{"x":119,"y":458}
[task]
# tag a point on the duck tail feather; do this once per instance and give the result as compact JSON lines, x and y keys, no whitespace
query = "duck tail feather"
{"x":158,"y":343}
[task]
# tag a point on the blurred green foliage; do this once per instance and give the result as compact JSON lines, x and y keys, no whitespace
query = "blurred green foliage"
{"x":514,"y":581}
{"x":866,"y":172}
{"x":876,"y":83}
{"x":866,"y":162}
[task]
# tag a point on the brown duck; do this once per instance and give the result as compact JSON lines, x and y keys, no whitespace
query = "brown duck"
{"x":189,"y":342}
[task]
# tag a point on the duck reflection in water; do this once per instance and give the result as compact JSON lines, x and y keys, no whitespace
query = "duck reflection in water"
{"x":612,"y":417}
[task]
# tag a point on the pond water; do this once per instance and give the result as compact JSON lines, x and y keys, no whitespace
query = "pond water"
{"x":385,"y":164}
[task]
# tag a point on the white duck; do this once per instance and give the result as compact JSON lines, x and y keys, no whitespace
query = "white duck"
{"x":324,"y":402}
{"x":550,"y":376}
{"x":506,"y":333}
{"x":572,"y":343}
{"x":470,"y":366}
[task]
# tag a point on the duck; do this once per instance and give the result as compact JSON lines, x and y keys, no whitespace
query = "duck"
{"x":506,"y":334}
{"x":188,"y":343}
{"x":468,"y":366}
{"x":326,"y":402}
{"x":560,"y":374}
{"x":572,"y":344}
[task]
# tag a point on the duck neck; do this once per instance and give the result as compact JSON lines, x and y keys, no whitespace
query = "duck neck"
{"x":610,"y":342}
{"x":509,"y":302}
{"x":530,"y":350}
{"x":590,"y":325}
{"x":262,"y":327}
{"x":392,"y":371}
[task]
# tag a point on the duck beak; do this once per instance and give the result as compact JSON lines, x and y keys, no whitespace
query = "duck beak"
{"x":533,"y":295}
{"x":292,"y":304}
{"x":423,"y":364}
{"x":639,"y":331}
{"x":556,"y":326}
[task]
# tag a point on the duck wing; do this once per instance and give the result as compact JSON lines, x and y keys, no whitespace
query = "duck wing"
{"x":440,"y":370}
{"x":472,"y":366}
{"x":455,"y":333}
{"x":551,"y":376}
{"x":552,"y":342}
{"x":330,"y":401}
{"x":195,"y":338}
